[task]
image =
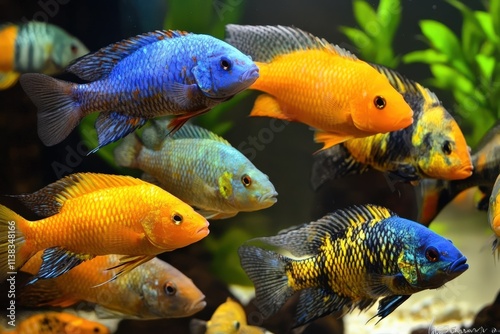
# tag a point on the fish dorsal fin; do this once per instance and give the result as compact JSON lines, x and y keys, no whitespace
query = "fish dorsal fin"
{"x":307,"y":239}
{"x":49,"y":200}
{"x":99,"y":64}
{"x":404,"y":85}
{"x":264,"y":43}
{"x":196,"y":132}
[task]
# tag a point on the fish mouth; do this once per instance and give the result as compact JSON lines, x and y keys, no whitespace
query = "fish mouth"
{"x":462,"y":173}
{"x":197,"y":306}
{"x":458,"y":266}
{"x":203,"y":230}
{"x":269,"y":198}
{"x":250,"y":76}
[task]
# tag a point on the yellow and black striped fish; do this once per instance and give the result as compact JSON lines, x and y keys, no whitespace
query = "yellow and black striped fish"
{"x":35,"y":47}
{"x":350,"y":258}
{"x":432,"y":147}
{"x":433,"y":195}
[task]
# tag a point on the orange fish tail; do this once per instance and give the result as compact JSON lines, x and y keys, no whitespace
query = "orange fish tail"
{"x":13,"y":249}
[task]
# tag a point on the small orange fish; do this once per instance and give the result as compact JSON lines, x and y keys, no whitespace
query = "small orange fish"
{"x":96,"y":214}
{"x":152,"y":290}
{"x":57,"y":323}
{"x":322,"y":85}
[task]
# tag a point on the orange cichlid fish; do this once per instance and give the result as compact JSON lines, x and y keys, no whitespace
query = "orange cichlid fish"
{"x":152,"y":290}
{"x":494,"y":215}
{"x":432,"y":147}
{"x":228,"y":318}
{"x":57,"y":323}
{"x":35,"y":47}
{"x":96,"y":214}
{"x":322,"y":85}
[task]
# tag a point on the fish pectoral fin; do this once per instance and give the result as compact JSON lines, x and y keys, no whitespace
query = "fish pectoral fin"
{"x":197,"y":326}
{"x":127,"y":263}
{"x":388,"y":304}
{"x":330,"y":139}
{"x":57,"y":261}
{"x":8,"y":79}
{"x":112,"y":126}
{"x":334,"y":163}
{"x":106,"y":313}
{"x":405,"y":172}
{"x":176,"y":123}
{"x":315,"y":303}
{"x":266,"y":105}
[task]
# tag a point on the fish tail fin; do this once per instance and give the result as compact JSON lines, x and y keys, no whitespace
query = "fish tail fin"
{"x":267,"y":271}
{"x":127,"y":152}
{"x":8,"y":79}
{"x":13,"y":249}
{"x":58,"y":110}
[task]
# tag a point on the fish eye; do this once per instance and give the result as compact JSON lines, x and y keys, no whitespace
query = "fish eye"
{"x":225,"y":64}
{"x":432,"y":254}
{"x":177,"y":218}
{"x":379,"y":102}
{"x":246,"y":180}
{"x":236,"y":324}
{"x":170,"y":289}
{"x":447,"y":147}
{"x":96,"y":330}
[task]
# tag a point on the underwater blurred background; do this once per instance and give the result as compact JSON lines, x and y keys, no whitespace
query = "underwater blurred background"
{"x":443,"y":45}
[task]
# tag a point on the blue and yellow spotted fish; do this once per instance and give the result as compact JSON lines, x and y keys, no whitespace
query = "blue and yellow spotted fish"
{"x":350,"y":258}
{"x":35,"y":47}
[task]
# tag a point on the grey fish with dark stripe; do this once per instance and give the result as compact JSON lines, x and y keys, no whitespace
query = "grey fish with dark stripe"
{"x":432,"y":147}
{"x":35,"y":47}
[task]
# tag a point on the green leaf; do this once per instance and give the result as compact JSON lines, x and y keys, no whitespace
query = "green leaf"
{"x":364,"y":15}
{"x":472,"y":33}
{"x":445,"y":41}
{"x":495,"y":15}
{"x":361,"y":40}
{"x":428,"y":56}
{"x":449,"y":78}
{"x":486,"y":22}
{"x":486,"y":65}
{"x":389,"y":17}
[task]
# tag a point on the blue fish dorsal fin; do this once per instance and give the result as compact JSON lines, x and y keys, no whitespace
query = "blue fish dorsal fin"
{"x":264,"y":43}
{"x":404,"y":85}
{"x":57,"y":261}
{"x":307,"y":239}
{"x":197,"y":132}
{"x":49,"y":200}
{"x":99,"y":64}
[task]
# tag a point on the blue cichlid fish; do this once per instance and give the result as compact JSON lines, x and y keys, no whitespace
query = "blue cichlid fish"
{"x":432,"y":147}
{"x":350,"y":258}
{"x":434,"y":195}
{"x":155,"y":74}
{"x":35,"y":47}
{"x":200,"y":168}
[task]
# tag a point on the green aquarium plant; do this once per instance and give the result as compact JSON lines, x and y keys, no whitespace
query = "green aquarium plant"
{"x":378,"y":26}
{"x":467,"y":66}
